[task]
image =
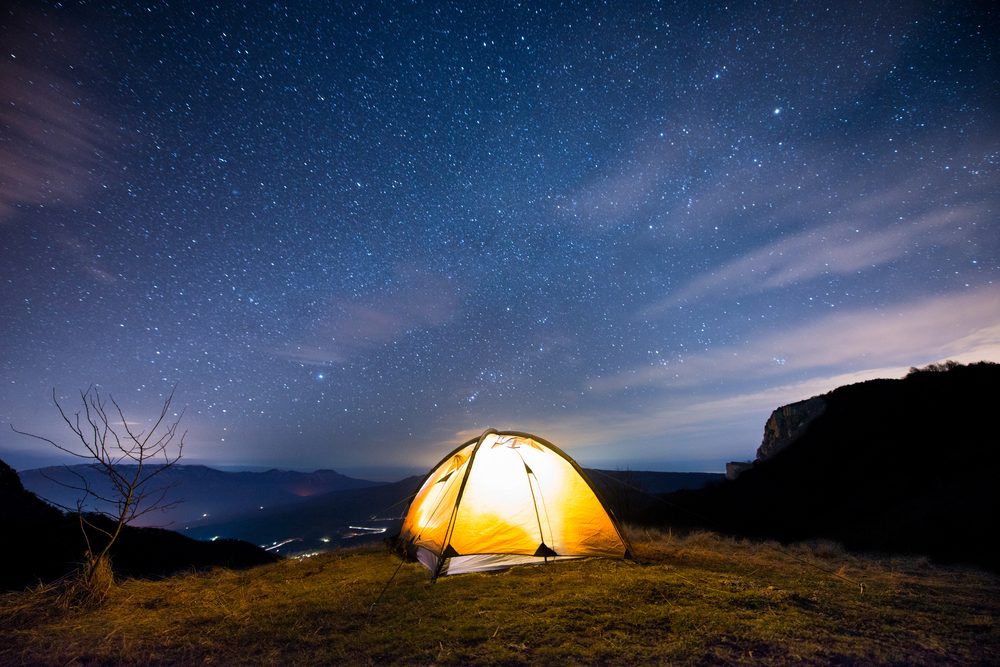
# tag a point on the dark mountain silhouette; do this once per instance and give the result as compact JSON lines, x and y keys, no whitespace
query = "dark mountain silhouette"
{"x":631,"y":493}
{"x":649,"y":482}
{"x":203,"y":494}
{"x":888,"y":465}
{"x":42,"y":544}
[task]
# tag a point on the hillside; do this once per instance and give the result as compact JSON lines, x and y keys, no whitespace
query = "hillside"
{"x":43,"y":544}
{"x":893,"y":465}
{"x":697,"y":600}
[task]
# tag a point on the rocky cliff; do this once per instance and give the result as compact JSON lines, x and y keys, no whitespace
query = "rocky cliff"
{"x":787,"y":423}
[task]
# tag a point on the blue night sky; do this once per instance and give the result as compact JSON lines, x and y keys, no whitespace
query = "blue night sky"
{"x":355,"y":234}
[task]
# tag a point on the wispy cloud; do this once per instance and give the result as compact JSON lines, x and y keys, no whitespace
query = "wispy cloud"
{"x":54,"y":143}
{"x":351,"y":327}
{"x":851,"y":245}
{"x":965,"y":325}
{"x":611,"y":200}
{"x":84,"y":257}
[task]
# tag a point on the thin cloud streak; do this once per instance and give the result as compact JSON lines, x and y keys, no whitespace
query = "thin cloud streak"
{"x":350,"y":328}
{"x":931,"y":329}
{"x":54,"y":145}
{"x":839,"y":248}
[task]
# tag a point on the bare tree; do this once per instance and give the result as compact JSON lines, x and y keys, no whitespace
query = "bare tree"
{"x":129,"y":460}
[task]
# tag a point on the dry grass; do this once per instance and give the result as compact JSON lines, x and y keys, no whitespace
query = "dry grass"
{"x":694,"y":599}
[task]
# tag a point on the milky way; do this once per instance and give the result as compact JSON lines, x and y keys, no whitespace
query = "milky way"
{"x":353,"y":235}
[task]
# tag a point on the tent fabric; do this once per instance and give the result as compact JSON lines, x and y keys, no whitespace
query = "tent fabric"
{"x":503,"y":499}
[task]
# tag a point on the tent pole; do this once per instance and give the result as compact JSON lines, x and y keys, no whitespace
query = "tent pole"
{"x":458,"y":501}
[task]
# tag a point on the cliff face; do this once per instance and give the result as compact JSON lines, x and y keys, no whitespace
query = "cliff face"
{"x":782,"y":428}
{"x":787,"y":423}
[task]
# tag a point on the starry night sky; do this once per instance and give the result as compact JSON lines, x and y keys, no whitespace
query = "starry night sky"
{"x":355,"y":235}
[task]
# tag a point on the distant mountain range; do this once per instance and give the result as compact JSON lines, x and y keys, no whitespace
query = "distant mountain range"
{"x":291,"y":512}
{"x":904,"y":465}
{"x":344,"y":517}
{"x":202,"y":495}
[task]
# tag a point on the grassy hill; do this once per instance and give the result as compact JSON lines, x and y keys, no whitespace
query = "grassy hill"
{"x":693,"y":600}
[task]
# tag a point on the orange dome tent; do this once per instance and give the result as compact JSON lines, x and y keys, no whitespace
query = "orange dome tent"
{"x":507,"y":498}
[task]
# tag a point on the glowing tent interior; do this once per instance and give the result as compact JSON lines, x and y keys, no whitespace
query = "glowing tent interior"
{"x":507,"y":498}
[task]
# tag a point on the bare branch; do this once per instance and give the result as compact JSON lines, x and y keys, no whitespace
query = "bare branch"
{"x":128,"y":459}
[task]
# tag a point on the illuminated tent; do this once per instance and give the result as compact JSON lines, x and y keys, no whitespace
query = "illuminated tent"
{"x":507,"y":498}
